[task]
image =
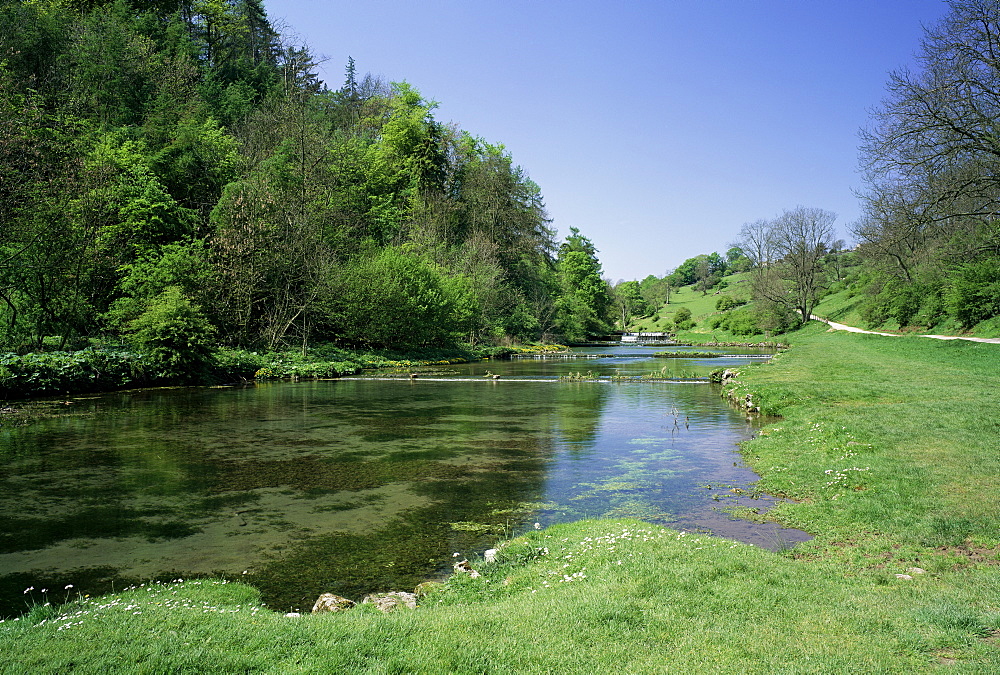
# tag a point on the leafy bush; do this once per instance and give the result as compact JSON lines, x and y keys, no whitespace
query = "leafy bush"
{"x":395,"y":298}
{"x":742,"y":322}
{"x":323,"y":362}
{"x":87,"y":370}
{"x":974,"y":294}
{"x":874,"y":311}
{"x":175,"y":335}
{"x":906,"y":304}
{"x":726,"y":302}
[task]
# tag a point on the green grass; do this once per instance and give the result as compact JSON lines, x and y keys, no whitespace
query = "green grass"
{"x":842,"y":307}
{"x":702,"y":308}
{"x":897,"y":436}
{"x":889,"y":447}
{"x":621,"y":596}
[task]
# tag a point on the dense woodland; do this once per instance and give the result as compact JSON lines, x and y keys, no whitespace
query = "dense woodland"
{"x":174,"y":176}
{"x":175,"y":173}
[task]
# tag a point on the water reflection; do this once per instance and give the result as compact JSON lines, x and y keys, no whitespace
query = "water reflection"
{"x":356,"y":485}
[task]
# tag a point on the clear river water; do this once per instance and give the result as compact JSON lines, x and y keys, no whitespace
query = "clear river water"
{"x":365,"y":484}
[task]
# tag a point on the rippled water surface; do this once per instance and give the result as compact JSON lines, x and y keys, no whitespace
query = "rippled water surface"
{"x":366,"y":484}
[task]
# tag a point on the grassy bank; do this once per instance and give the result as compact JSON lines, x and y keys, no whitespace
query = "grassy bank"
{"x":892,"y":443}
{"x":845,"y":306}
{"x":890,"y":447}
{"x":622,"y":596}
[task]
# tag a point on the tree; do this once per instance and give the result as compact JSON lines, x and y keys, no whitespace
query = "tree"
{"x":163,"y":155}
{"x":974,"y":294}
{"x":787,"y":255}
{"x":111,"y":70}
{"x":687,"y":272}
{"x":629,"y":302}
{"x":392,"y":298}
{"x":932,"y":155}
{"x":934,"y":138}
{"x":655,"y":291}
{"x":584,"y":297}
{"x":175,"y":335}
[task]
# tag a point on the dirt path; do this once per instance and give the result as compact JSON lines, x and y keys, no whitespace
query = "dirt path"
{"x":852,"y":329}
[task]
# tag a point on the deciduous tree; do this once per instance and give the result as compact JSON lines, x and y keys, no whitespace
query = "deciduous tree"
{"x":787,"y":255}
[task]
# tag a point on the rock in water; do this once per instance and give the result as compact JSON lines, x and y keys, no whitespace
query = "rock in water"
{"x":328,"y":602}
{"x":387,"y":602}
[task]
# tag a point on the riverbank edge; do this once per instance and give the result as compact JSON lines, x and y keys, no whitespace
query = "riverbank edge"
{"x":46,"y":375}
{"x":934,"y":592}
{"x":782,"y":439}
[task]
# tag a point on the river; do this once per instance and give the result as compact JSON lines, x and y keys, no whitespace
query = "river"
{"x":369,"y":483}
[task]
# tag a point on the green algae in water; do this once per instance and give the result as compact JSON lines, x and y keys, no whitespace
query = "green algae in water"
{"x":347,"y":487}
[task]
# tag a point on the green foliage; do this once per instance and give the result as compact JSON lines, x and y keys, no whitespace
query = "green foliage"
{"x":184,"y":265}
{"x":727,"y":302}
{"x":393,"y":298}
{"x":630,"y":302}
{"x":110,"y":70}
{"x":584,"y":297}
{"x":682,"y":315}
{"x":974,"y":292}
{"x":240,"y":363}
{"x":928,"y":240}
{"x":131,"y":208}
{"x":887,"y":298}
{"x":198,"y":162}
{"x":655,"y":291}
{"x":175,"y":336}
{"x":150,"y":145}
{"x":50,"y":373}
{"x":740,"y":322}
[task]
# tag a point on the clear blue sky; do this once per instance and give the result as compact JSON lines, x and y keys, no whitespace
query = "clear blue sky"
{"x":656,"y":127}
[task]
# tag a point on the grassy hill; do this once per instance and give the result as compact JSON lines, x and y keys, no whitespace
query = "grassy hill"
{"x":702,"y":306}
{"x":843,"y":305}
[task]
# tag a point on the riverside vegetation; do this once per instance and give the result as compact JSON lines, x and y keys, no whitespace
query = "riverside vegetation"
{"x":151,"y":221}
{"x":175,"y":178}
{"x":888,"y":447}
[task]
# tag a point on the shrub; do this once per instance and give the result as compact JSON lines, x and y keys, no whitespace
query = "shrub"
{"x":742,"y":322}
{"x":974,"y":294}
{"x":86,"y":370}
{"x":394,"y":298}
{"x":727,"y":302}
{"x":175,"y":335}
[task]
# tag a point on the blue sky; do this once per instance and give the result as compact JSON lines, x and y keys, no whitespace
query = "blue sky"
{"x":656,"y":128}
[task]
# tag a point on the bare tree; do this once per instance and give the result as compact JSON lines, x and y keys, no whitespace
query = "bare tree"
{"x":787,"y":255}
{"x":932,"y":155}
